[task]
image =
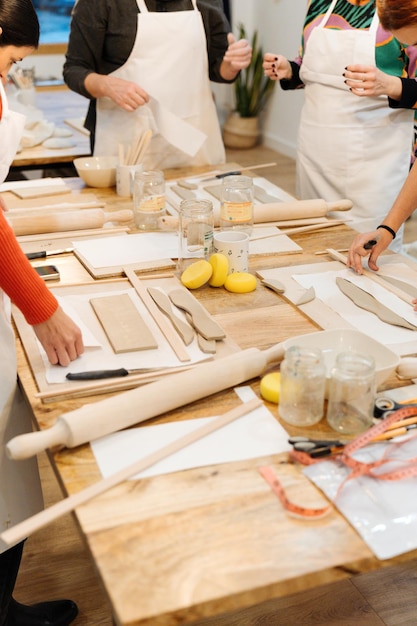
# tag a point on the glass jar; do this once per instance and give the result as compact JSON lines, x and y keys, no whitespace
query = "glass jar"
{"x":195,"y":235}
{"x":148,"y":199}
{"x":303,"y":380}
{"x":352,"y":393}
{"x":236,"y":204}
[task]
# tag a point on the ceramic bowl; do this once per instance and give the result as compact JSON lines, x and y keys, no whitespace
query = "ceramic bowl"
{"x":97,"y":171}
{"x":332,"y":342}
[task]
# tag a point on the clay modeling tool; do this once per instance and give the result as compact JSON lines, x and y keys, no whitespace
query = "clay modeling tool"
{"x":164,"y":303}
{"x":202,"y":321}
{"x":369,"y":303}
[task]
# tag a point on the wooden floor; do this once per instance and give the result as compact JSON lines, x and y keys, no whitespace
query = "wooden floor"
{"x":56,"y":562}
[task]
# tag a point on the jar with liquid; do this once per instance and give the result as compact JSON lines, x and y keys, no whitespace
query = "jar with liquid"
{"x":195,"y":234}
{"x":236,"y":204}
{"x":303,"y":380}
{"x":352,"y":393}
{"x":148,"y":198}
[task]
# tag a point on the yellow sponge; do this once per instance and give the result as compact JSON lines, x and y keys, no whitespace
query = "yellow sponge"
{"x":270,"y":387}
{"x":240,"y":282}
{"x":220,"y":264}
{"x":196,"y":274}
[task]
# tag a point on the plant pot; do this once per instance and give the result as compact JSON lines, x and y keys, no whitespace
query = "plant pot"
{"x":240,"y":132}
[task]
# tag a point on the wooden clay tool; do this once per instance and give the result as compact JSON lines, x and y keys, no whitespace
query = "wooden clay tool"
{"x":164,"y":324}
{"x":208,"y":346}
{"x":164,"y":303}
{"x":68,"y":220}
{"x":202,"y":321}
{"x":97,"y":419}
{"x":20,"y":531}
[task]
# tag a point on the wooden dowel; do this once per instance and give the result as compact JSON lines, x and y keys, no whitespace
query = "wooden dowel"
{"x":38,"y":521}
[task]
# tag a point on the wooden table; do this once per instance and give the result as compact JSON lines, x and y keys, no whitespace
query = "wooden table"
{"x":198,"y":546}
{"x":57,"y":105}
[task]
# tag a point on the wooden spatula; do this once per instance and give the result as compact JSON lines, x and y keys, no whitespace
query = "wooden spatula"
{"x":202,"y":321}
{"x":164,"y":304}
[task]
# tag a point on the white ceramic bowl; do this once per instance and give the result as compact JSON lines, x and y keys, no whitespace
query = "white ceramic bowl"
{"x":97,"y":171}
{"x":332,"y":342}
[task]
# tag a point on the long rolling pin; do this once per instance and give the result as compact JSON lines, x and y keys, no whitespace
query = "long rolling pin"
{"x":279,"y":211}
{"x":67,"y":220}
{"x":95,"y":420}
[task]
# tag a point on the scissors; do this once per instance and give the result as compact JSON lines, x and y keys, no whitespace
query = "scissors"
{"x":316,"y":447}
{"x":384,"y":406}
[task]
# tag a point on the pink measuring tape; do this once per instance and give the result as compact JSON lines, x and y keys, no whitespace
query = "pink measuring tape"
{"x":358,"y":468}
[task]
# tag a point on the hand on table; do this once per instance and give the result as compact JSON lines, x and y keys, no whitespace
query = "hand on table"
{"x":60,"y":338}
{"x":276,"y":67}
{"x":362,"y":246}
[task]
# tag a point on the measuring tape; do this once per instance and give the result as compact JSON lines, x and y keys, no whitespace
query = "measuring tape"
{"x":358,"y":468}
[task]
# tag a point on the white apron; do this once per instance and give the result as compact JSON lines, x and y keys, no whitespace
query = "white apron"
{"x":169,"y":60}
{"x":20,"y":491}
{"x":349,"y":147}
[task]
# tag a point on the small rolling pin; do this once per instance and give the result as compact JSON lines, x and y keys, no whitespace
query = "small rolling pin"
{"x":279,"y":211}
{"x":67,"y":220}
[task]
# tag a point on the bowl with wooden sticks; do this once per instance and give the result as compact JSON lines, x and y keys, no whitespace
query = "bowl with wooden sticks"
{"x":97,"y":171}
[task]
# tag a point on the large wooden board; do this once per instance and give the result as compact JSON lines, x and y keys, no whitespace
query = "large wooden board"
{"x":52,"y":391}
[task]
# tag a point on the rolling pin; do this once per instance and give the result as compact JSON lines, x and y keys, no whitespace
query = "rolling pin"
{"x":278,"y":211}
{"x":67,"y":220}
{"x":95,"y":420}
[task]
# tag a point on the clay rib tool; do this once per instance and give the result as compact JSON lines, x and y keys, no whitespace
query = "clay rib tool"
{"x":208,"y":346}
{"x":202,"y":321}
{"x":164,"y":303}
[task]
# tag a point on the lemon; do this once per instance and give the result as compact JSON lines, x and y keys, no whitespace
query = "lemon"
{"x":220,"y":264}
{"x":240,"y":282}
{"x":196,"y":274}
{"x":270,"y":387}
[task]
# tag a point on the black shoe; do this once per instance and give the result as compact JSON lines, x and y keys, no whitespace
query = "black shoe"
{"x":56,"y":613}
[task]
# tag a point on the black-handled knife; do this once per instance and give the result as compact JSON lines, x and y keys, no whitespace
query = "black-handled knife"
{"x":99,"y":374}
{"x":42,"y":254}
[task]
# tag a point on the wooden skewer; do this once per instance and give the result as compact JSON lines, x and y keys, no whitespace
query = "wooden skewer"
{"x":25,"y":528}
{"x":216,"y":172}
{"x":373,"y":276}
{"x":300,"y":229}
{"x":141,"y":148}
{"x":164,"y":324}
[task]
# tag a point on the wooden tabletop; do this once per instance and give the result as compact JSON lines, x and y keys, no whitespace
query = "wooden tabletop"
{"x":57,"y":106}
{"x":189,"y":547}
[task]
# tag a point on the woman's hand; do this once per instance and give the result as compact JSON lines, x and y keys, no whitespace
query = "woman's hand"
{"x":365,"y":244}
{"x":277,"y":67}
{"x":367,"y":80}
{"x":60,"y":337}
{"x":126,"y":94}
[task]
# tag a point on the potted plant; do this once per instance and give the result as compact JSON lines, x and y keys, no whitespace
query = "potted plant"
{"x":252,"y":90}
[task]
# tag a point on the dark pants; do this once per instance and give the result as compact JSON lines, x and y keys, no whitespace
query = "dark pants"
{"x":9,"y":567}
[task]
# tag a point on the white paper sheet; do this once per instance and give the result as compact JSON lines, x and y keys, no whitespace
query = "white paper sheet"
{"x":254,"y":435}
{"x":99,"y":354}
{"x":37,"y":182}
{"x":129,"y":249}
{"x":326,"y":289}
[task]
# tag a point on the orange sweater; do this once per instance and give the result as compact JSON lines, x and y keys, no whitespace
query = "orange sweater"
{"x":19,"y":280}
